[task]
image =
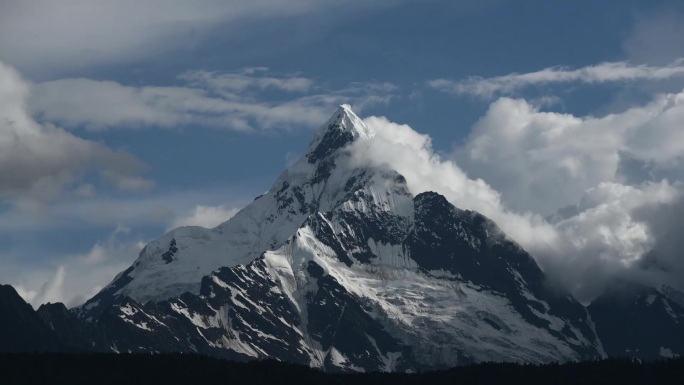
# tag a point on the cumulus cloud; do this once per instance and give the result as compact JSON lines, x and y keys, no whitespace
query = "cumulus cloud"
{"x":38,"y":161}
{"x":224,"y":100}
{"x":606,"y":72}
{"x":542,"y":161}
{"x":410,"y":153}
{"x":399,"y":146}
{"x":205,"y":216}
{"x":74,"y":278}
{"x":602,"y":229}
{"x":664,"y":262}
{"x":605,"y":239}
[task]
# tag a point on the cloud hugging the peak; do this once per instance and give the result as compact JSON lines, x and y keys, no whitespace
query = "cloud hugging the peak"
{"x":571,"y":190}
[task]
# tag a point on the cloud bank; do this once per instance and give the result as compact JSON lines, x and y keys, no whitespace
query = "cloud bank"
{"x":38,"y":161}
{"x":543,"y":161}
{"x":571,"y":190}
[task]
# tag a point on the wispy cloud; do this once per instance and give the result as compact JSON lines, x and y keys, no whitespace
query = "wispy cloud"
{"x":78,"y":210}
{"x":600,"y":73}
{"x":230,"y":83}
{"x":118,"y":229}
{"x":231,"y":101}
{"x":72,"y":279}
{"x":77,"y":34}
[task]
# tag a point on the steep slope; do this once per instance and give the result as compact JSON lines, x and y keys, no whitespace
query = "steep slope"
{"x":71,"y":333}
{"x":342,"y":268}
{"x":640,"y":322}
{"x":176,"y":262}
{"x":21,"y":329}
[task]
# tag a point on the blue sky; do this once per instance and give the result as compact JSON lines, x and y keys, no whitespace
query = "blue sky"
{"x":124,"y":119}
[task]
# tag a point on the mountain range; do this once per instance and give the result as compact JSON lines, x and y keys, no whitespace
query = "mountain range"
{"x":340,"y":267}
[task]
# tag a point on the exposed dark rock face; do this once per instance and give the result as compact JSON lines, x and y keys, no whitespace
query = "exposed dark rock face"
{"x":21,"y":329}
{"x":639,"y":322}
{"x":72,"y":334}
{"x":168,"y":256}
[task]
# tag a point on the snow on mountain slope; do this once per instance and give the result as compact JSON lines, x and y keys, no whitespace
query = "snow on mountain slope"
{"x":176,"y":262}
{"x":313,"y":302}
{"x":446,"y":316}
{"x":343,"y":268}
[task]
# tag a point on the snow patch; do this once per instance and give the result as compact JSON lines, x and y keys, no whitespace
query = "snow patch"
{"x":667,"y":353}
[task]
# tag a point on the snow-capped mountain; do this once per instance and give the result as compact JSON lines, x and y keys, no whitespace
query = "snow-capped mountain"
{"x":342,"y":268}
{"x":176,"y":262}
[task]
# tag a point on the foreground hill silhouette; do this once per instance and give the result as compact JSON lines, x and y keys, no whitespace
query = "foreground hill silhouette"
{"x":51,"y":368}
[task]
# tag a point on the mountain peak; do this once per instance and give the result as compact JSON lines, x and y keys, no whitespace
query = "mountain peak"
{"x":328,"y":269}
{"x":346,"y":120}
{"x":343,"y":127}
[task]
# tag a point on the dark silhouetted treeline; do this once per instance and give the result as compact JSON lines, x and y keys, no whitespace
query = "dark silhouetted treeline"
{"x":125,"y":369}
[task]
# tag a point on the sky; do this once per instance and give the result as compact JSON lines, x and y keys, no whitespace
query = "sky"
{"x":562,"y":121}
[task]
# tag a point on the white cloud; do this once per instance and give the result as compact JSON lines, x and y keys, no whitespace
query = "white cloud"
{"x":600,"y":173}
{"x":548,"y":160}
{"x":228,"y":101}
{"x":74,"y":278}
{"x":401,"y":148}
{"x":93,"y":32}
{"x":205,"y":216}
{"x":605,"y":237}
{"x":42,"y":273}
{"x":77,"y":34}
{"x":49,"y":291}
{"x":38,"y":161}
{"x":229,"y":84}
{"x":543,"y":161}
{"x":600,"y":73}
